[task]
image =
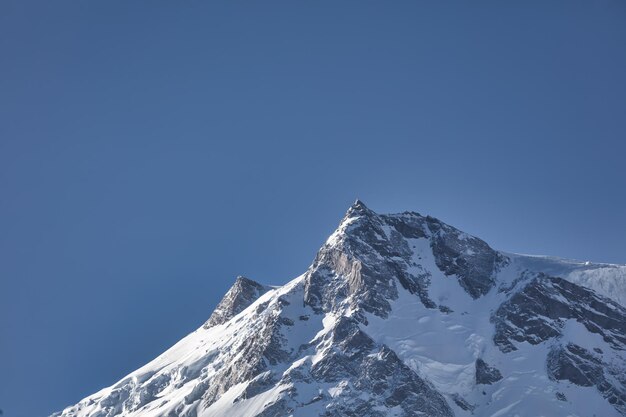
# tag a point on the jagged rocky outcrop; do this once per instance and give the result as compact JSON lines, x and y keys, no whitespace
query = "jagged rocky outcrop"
{"x":370,"y":377}
{"x":398,"y":315}
{"x":355,"y":266}
{"x":579,"y":366}
{"x":486,"y":374}
{"x":468,"y":258}
{"x":369,"y":249}
{"x":243,"y":293}
{"x":537,"y":313}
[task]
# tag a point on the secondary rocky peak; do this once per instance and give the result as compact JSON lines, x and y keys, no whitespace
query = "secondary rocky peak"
{"x":243,"y":293}
{"x":243,"y":282}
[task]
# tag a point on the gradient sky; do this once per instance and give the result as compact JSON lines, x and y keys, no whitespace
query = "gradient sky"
{"x":152,"y":151}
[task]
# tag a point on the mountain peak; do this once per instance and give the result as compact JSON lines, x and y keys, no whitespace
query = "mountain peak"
{"x":243,"y":293}
{"x":358,"y":203}
{"x":358,"y":208}
{"x":244,"y":281}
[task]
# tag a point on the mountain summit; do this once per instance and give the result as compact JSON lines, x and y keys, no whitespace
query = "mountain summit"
{"x":398,"y":315}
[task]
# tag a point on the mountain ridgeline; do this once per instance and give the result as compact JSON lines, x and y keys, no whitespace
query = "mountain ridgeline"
{"x":398,"y":315}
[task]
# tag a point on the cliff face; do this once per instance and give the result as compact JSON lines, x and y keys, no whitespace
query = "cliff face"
{"x":399,"y":315}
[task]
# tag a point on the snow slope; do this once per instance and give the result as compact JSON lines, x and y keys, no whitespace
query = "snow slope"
{"x":606,"y":279}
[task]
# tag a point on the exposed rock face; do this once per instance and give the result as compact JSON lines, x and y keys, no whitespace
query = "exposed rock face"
{"x":378,"y":380}
{"x":368,"y":249}
{"x":397,"y":316}
{"x":486,"y":374}
{"x":356,"y":266}
{"x":581,"y":367}
{"x":243,"y":293}
{"x":537,"y":313}
{"x":473,"y":262}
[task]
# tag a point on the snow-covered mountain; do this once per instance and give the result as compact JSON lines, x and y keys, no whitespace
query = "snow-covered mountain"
{"x":399,"y":315}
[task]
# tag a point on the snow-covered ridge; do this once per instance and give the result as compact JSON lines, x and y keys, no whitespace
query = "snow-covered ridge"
{"x":606,"y":279}
{"x":398,"y":315}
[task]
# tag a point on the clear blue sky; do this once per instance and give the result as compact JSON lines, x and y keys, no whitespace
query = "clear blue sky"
{"x":152,"y":151}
